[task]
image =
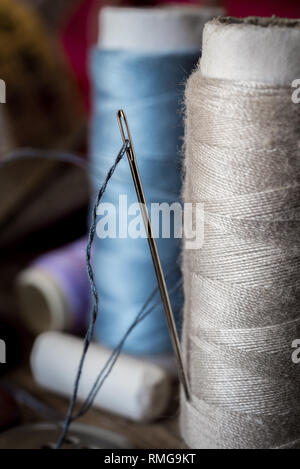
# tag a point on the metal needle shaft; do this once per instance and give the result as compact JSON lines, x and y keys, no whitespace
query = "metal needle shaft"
{"x":126,"y":136}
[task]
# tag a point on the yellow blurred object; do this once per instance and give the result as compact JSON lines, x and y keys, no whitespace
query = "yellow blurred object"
{"x":42,"y":102}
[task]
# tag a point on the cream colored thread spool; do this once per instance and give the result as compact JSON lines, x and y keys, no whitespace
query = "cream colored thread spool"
{"x":135,"y":389}
{"x":266,"y":51}
{"x":257,"y":50}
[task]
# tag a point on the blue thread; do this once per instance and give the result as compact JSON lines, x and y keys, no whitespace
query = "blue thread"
{"x":95,"y":309}
{"x":149,"y":87}
{"x":146,"y":309}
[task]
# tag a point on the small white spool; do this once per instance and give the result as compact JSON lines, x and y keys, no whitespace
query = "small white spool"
{"x":267,"y":51}
{"x":42,"y":303}
{"x":176,"y":28}
{"x":136,"y":389}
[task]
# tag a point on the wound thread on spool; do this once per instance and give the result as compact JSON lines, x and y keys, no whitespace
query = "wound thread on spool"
{"x":54,"y":292}
{"x":242,"y":287}
{"x":141,"y":71}
{"x":145,"y":396}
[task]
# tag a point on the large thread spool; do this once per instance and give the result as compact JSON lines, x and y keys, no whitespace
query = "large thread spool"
{"x":143,"y":59}
{"x":242,"y":286}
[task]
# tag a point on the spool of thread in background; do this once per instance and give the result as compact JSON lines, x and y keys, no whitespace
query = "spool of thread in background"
{"x":140,"y":65}
{"x":145,"y":396}
{"x":54,"y":292}
{"x":242,"y":287}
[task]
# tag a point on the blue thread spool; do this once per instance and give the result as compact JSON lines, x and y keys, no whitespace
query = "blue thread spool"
{"x":148,"y":84}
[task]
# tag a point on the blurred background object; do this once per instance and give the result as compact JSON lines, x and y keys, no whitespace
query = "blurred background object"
{"x":10,"y":344}
{"x":286,"y":8}
{"x":45,"y":435}
{"x":10,"y":413}
{"x":42,"y":105}
{"x":54,"y":12}
{"x":54,"y":291}
{"x":37,"y":191}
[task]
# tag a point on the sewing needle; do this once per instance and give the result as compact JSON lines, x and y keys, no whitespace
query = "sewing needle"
{"x":153,"y":248}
